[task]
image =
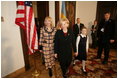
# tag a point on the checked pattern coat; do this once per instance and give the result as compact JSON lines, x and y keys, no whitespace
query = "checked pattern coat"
{"x":47,"y":42}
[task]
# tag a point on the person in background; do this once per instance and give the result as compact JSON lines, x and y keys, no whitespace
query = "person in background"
{"x":63,"y":43}
{"x":82,"y":46}
{"x":77,"y":28}
{"x":105,"y":34}
{"x":46,"y":43}
{"x":94,"y":34}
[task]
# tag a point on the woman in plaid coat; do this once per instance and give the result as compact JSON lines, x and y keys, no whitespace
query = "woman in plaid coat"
{"x":46,"y":42}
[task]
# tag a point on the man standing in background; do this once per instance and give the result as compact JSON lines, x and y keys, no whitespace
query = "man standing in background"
{"x":105,"y":35}
{"x":77,"y":28}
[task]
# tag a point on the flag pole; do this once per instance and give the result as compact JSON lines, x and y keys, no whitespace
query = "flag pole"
{"x":35,"y":74}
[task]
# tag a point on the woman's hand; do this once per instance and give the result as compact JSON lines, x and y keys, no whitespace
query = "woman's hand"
{"x":76,"y":54}
{"x":55,"y":55}
{"x":41,"y":51}
{"x":111,"y":41}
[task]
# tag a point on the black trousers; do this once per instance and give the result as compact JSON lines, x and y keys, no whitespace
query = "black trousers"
{"x":106,"y":47}
{"x":65,"y":65}
{"x":94,"y":40}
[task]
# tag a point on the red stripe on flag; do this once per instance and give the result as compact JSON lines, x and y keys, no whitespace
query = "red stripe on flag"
{"x":34,"y":38}
{"x":22,"y":26}
{"x":20,"y":19}
{"x":17,"y":21}
{"x":20,"y":11}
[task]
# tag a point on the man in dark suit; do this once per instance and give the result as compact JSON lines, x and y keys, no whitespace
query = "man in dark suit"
{"x":105,"y":35}
{"x":77,"y":28}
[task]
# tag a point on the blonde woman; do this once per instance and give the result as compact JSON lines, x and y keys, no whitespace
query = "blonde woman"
{"x":63,"y":44}
{"x":46,"y":42}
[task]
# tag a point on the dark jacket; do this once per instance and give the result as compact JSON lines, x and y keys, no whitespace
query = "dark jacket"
{"x":109,"y":30}
{"x":63,"y":45}
{"x":94,"y":31}
{"x":76,"y":29}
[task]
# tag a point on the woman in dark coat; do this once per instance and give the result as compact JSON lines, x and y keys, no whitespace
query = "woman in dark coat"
{"x":63,"y":44}
{"x":94,"y":34}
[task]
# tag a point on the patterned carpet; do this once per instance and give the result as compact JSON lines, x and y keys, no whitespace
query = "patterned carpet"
{"x":94,"y":67}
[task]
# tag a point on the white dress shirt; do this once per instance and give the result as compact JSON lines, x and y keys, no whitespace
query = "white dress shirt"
{"x":79,"y":27}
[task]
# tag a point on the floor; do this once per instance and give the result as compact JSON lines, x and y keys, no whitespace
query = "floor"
{"x":94,"y":67}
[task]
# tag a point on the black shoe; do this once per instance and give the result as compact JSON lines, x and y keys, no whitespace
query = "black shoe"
{"x":104,"y":62}
{"x":50,"y":72}
{"x":43,"y":63}
{"x":85,"y":72}
{"x":65,"y":76}
{"x":73,"y":64}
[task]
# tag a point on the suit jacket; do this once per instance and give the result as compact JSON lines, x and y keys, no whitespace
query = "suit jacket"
{"x":93,"y":28}
{"x":76,"y":29}
{"x":63,"y":45}
{"x":109,"y":30}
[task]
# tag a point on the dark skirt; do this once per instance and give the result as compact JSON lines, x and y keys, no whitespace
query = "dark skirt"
{"x":81,"y":56}
{"x":82,"y":49}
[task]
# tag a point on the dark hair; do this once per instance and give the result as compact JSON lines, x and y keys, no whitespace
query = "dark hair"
{"x":107,"y":13}
{"x":78,"y":18}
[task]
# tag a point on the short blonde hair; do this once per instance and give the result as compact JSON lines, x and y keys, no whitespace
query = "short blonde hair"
{"x":64,"y":20}
{"x":50,"y":19}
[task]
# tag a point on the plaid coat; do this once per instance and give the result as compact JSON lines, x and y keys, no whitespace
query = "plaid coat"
{"x":47,"y":42}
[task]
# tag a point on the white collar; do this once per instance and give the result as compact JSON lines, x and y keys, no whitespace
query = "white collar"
{"x":78,"y":24}
{"x":83,"y":35}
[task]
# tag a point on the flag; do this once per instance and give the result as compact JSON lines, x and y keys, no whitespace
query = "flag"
{"x":25,"y":19}
{"x":63,"y":10}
